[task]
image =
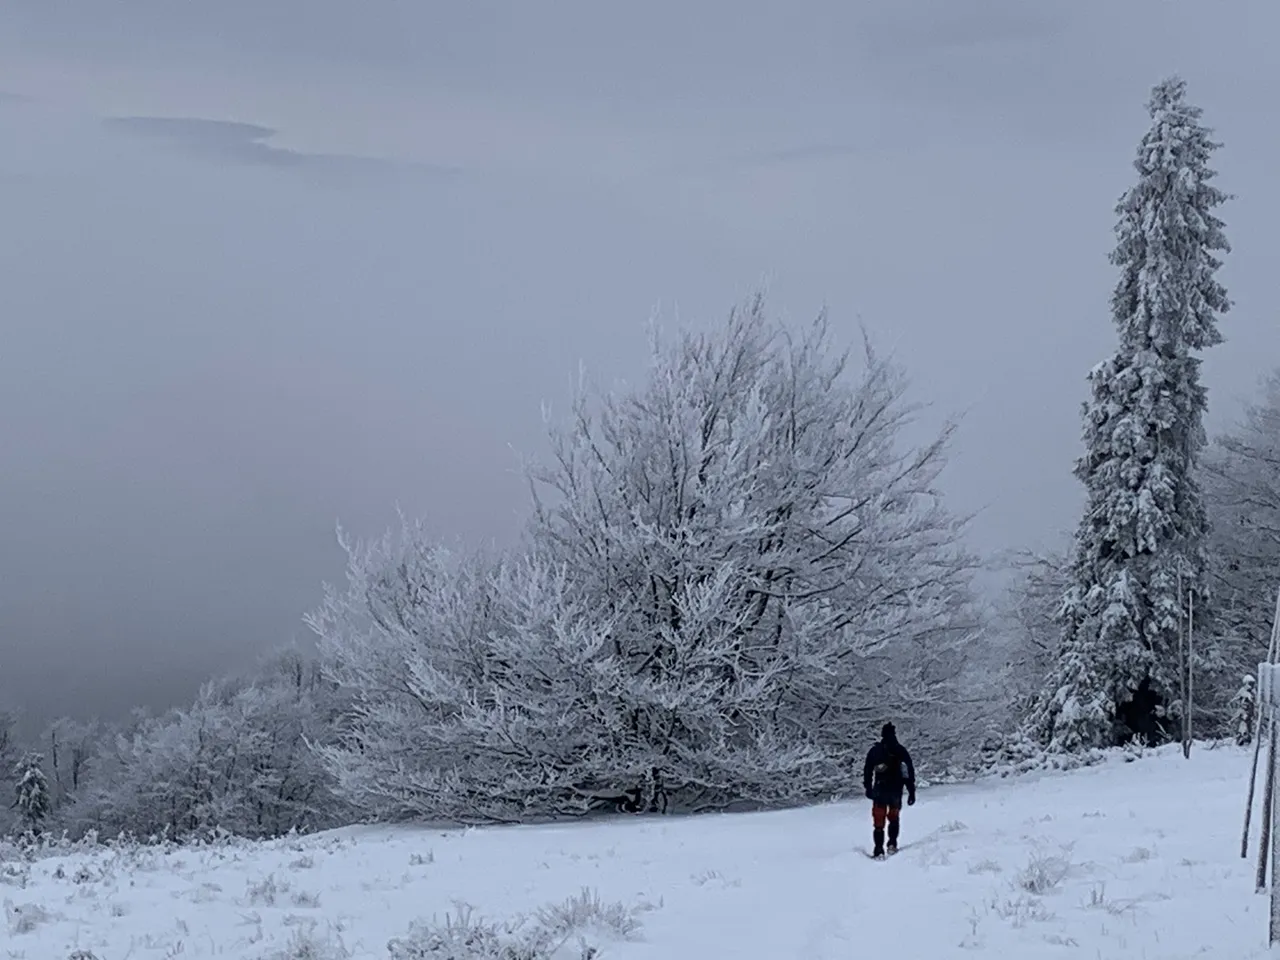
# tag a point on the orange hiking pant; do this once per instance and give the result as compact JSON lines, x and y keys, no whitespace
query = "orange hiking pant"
{"x":880,"y":813}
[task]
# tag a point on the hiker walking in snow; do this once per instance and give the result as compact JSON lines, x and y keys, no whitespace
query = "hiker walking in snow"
{"x":887,"y":773}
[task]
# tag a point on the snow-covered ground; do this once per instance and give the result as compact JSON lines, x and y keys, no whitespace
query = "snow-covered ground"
{"x":1124,"y":860}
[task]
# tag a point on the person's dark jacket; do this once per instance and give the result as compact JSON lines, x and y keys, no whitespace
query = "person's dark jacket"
{"x":888,"y":772}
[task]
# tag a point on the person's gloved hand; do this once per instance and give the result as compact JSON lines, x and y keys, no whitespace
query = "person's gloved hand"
{"x":870,"y":795}
{"x":911,"y":800}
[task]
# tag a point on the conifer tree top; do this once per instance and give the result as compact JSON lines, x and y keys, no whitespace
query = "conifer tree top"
{"x":1168,"y":298}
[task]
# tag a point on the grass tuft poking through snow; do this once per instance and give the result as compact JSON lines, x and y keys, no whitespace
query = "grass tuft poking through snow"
{"x":264,"y":892}
{"x":24,"y":917}
{"x":587,"y":911}
{"x":1139,"y":855}
{"x":307,"y":944}
{"x":561,"y":931}
{"x":1044,"y":872}
{"x":1021,"y":910}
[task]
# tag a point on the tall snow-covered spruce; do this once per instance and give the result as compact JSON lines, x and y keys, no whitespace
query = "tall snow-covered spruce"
{"x":1139,"y":546}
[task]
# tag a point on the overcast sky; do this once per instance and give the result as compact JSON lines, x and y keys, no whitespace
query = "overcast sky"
{"x":268,"y":265}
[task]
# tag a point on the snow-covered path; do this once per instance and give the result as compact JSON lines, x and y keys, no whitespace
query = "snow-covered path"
{"x":1126,"y":860}
{"x":1135,"y":860}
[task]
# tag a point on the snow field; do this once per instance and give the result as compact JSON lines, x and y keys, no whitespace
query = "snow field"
{"x":1123,"y":860}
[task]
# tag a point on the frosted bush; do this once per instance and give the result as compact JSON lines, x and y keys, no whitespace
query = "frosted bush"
{"x":307,"y":944}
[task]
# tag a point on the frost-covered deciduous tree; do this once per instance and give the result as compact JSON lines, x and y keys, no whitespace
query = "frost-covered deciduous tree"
{"x":9,"y":756}
{"x":239,"y":758}
{"x":1141,"y":539}
{"x":757,"y":529}
{"x":8,"y":738}
{"x":71,"y":747}
{"x":481,"y":690}
{"x":1016,"y":654}
{"x":1029,"y":622}
{"x":1242,"y":487}
{"x":32,"y":800}
{"x":732,"y":574}
{"x":1241,"y":478}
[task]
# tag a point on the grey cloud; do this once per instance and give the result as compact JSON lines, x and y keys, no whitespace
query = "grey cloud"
{"x":745,"y":161}
{"x":249,"y":143}
{"x":910,"y":30}
{"x":870,"y":152}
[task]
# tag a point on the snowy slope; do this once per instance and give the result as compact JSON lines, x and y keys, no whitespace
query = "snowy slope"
{"x":1150,"y":852}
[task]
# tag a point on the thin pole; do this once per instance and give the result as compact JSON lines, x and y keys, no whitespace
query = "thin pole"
{"x":1191,"y":667}
{"x":1182,"y":657}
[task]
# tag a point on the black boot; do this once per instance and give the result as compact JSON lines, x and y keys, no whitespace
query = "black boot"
{"x":878,"y":836}
{"x":893,"y":836}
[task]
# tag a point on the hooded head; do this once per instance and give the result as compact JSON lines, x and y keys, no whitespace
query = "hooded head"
{"x":888,"y":734}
